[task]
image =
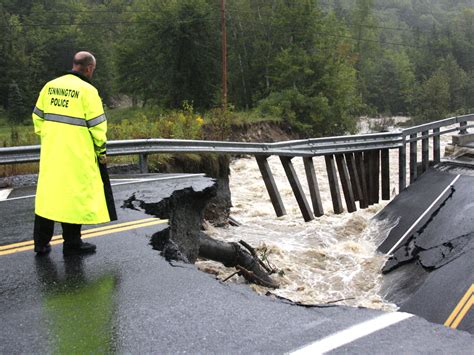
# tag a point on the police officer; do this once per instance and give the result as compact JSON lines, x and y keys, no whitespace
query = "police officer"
{"x":70,"y":120}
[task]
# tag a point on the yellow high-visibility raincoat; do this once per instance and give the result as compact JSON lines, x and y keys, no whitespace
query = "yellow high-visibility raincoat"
{"x":70,"y":120}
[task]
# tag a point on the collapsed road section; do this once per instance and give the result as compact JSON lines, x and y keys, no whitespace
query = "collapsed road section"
{"x":430,"y":271}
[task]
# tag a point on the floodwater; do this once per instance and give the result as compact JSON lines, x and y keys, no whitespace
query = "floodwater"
{"x":332,"y":259}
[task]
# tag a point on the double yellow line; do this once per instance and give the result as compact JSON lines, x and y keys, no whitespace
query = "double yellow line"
{"x":89,"y":233}
{"x":464,"y":305}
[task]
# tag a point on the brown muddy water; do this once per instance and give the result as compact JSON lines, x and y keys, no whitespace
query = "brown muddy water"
{"x":332,"y":259}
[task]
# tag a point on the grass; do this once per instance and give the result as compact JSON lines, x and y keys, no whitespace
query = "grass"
{"x":117,"y":115}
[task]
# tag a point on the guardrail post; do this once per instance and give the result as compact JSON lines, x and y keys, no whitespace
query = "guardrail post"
{"x":425,"y":159}
{"x":376,"y":158}
{"x":385,"y":157}
{"x":143,"y":163}
{"x":436,"y":146}
{"x":354,"y":175}
{"x":413,"y":158}
{"x":462,"y":130}
{"x":346,"y":183}
{"x":297,"y":189}
{"x":270,"y":185}
{"x":368,"y":176}
{"x":313,"y":186}
{"x":402,"y":166}
{"x":371,"y":158}
{"x":364,"y":202}
{"x":333,"y":185}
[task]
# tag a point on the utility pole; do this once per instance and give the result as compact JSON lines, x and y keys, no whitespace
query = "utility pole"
{"x":224,"y":56}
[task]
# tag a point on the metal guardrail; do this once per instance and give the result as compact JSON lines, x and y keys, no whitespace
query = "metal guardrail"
{"x":302,"y":148}
{"x":309,"y":147}
{"x":362,"y":161}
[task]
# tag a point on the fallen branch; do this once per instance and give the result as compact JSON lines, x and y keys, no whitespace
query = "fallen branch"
{"x":233,"y":255}
{"x":252,"y":251}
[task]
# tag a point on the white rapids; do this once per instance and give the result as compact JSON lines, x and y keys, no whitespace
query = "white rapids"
{"x":332,"y":259}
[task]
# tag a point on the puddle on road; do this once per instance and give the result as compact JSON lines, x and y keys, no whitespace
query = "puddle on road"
{"x":78,"y":313}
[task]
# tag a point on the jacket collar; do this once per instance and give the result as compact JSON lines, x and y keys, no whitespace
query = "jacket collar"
{"x":79,"y":75}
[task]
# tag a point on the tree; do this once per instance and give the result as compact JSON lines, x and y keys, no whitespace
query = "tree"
{"x":457,"y":81}
{"x":172,"y":57}
{"x":16,"y":108}
{"x":432,"y":102}
{"x":313,"y":81}
{"x":393,"y":82}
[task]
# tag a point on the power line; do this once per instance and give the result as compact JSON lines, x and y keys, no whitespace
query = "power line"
{"x":104,"y":23}
{"x":70,"y":11}
{"x":46,"y":25}
{"x":375,"y":41}
{"x":209,"y":18}
{"x":352,"y":24}
{"x":119,"y":11}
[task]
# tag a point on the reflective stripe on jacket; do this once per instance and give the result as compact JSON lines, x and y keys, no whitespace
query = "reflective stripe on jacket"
{"x":70,"y":120}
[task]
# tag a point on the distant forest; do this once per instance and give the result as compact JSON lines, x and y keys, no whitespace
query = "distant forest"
{"x":315,"y":64}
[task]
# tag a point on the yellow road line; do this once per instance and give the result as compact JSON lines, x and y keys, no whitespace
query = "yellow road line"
{"x":463,"y":312}
{"x":147,"y":224}
{"x":461,"y":309}
{"x":91,"y":235}
{"x":84,"y":232}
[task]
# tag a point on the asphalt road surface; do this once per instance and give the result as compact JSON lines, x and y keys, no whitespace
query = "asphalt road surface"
{"x":126,"y":298}
{"x":432,"y":270}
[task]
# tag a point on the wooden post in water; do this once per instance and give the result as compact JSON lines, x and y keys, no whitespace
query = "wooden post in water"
{"x":346,"y":183}
{"x":333,"y":185}
{"x":369,"y":157}
{"x":313,"y":186}
{"x":425,"y":158}
{"x":436,"y":146}
{"x":359,"y":159}
{"x":385,"y":159}
{"x":297,"y":189}
{"x":376,"y":157}
{"x":354,"y":175}
{"x":368,"y":176}
{"x":413,"y":158}
{"x":402,"y":166}
{"x":270,"y":185}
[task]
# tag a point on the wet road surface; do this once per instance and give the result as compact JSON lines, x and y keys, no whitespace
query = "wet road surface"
{"x":127,"y":298}
{"x":431,"y":273}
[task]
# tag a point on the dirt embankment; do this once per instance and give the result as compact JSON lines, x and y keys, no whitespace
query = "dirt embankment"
{"x":261,"y":132}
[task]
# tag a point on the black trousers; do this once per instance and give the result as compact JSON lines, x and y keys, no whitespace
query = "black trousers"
{"x":44,"y":229}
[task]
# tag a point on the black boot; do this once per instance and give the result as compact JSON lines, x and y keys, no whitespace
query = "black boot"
{"x":78,"y":248}
{"x":43,"y":232}
{"x":43,"y":250}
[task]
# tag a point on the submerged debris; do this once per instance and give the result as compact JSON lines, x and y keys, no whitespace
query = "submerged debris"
{"x":233,"y":255}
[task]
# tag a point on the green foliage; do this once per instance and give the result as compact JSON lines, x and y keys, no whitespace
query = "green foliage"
{"x":171,"y":56}
{"x":314,"y":64}
{"x":432,"y":101}
{"x":17,"y":135}
{"x":393,"y":83}
{"x":178,"y":124}
{"x":16,"y":108}
{"x":220,"y":122}
{"x":298,"y":110}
